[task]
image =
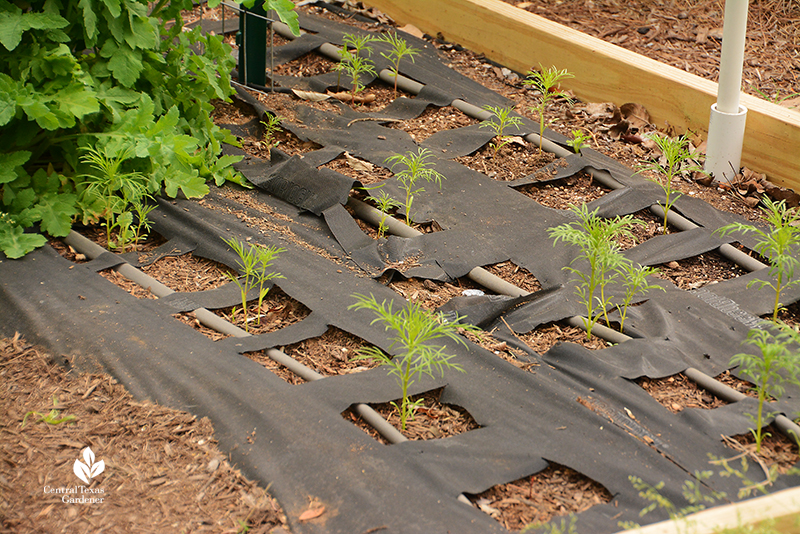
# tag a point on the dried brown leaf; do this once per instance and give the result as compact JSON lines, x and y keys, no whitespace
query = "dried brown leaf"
{"x":311,"y":513}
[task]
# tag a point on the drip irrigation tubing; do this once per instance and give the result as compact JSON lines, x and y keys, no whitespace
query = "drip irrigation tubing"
{"x":604,"y":177}
{"x":498,"y":285}
{"x":206,"y":317}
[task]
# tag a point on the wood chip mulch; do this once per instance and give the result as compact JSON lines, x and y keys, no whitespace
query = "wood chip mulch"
{"x":162,"y":470}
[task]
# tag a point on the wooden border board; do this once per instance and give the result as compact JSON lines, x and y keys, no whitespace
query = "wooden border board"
{"x":605,"y":72}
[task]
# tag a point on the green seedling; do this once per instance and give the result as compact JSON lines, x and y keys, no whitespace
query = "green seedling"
{"x":551,"y":528}
{"x":778,"y":244}
{"x":414,"y":331}
{"x":352,"y":61}
{"x":272,"y":125}
{"x":115,"y":191}
{"x":677,"y":159}
{"x":578,"y":140}
{"x":692,"y":493}
{"x":254,"y":261}
{"x":415,"y":167}
{"x":499,"y":122}
{"x":51,"y":418}
{"x":596,"y":238}
{"x":546,"y":82}
{"x":634,"y":280}
{"x":385,"y":204}
{"x":770,"y":370}
{"x":400,"y":49}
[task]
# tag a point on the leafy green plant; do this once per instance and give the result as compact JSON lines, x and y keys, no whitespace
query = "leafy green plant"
{"x":416,"y":167}
{"x":579,"y":138}
{"x":692,"y":493}
{"x":254,"y":261}
{"x":546,"y":82}
{"x":108,"y":75}
{"x":778,"y":244}
{"x":272,"y":125}
{"x":414,"y":330}
{"x":51,"y":418}
{"x":596,"y":238}
{"x":385,"y":204}
{"x":765,"y":369}
{"x":634,"y":280}
{"x":499,"y":122}
{"x":677,"y":159}
{"x":399,"y":50}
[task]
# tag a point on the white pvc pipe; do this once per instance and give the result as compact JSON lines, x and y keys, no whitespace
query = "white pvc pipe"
{"x":727,"y":121}
{"x":734,"y":30}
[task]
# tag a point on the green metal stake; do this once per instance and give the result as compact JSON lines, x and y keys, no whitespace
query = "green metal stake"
{"x":252,"y":39}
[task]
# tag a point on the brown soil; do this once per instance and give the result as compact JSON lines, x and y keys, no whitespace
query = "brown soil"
{"x":184,"y":444}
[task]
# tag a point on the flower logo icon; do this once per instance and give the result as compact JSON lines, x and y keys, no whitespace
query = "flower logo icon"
{"x":88,"y":470}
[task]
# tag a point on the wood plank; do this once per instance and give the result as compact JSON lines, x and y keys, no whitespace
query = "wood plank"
{"x":606,"y":73}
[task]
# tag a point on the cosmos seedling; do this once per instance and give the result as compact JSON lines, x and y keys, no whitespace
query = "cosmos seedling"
{"x":353,"y":63}
{"x":385,"y":204}
{"x":596,"y":238}
{"x":500,"y":121}
{"x":416,"y":167}
{"x":778,"y":245}
{"x":546,"y":82}
{"x":254,"y":261}
{"x":770,"y":370}
{"x":634,"y":280}
{"x":677,"y":159}
{"x":115,"y":190}
{"x":400,"y":50}
{"x":414,"y":330}
{"x":272,"y":125}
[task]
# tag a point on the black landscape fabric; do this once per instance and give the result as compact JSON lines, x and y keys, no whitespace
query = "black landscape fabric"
{"x":574,"y":407}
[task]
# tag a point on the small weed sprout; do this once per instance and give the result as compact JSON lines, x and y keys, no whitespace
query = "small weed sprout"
{"x":272,"y":125}
{"x":634,"y":280}
{"x":416,"y":167}
{"x":414,"y":330}
{"x":546,"y":82}
{"x":254,"y":261}
{"x":499,"y":122}
{"x":579,"y":138}
{"x":778,"y":245}
{"x":400,"y":49}
{"x":677,"y":159}
{"x":765,"y":369}
{"x":596,"y":238}
{"x":385,"y":204}
{"x":51,"y":418}
{"x":116,"y":191}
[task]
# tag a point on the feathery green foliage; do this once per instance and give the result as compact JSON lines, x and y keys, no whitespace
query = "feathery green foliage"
{"x":499,"y":122}
{"x":414,"y":331}
{"x":546,"y":82}
{"x":416,"y":167}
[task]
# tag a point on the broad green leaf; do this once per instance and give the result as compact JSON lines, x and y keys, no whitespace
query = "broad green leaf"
{"x":77,"y":100}
{"x":15,"y":243}
{"x":56,"y":213}
{"x":113,"y":7}
{"x":9,"y":163}
{"x":190,"y":185}
{"x":14,"y":23}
